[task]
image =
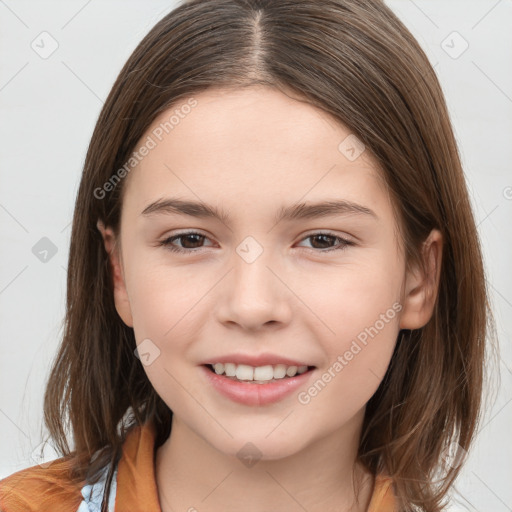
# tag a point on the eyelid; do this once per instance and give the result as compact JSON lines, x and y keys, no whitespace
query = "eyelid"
{"x":319,"y":231}
{"x":343,"y":240}
{"x":345,"y":236}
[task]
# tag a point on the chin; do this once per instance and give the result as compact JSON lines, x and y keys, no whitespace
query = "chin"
{"x":257,"y":446}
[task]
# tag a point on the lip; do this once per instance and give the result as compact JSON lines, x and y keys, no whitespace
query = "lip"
{"x":255,"y":360}
{"x":253,"y":393}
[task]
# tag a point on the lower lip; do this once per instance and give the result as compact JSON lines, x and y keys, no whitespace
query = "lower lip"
{"x":252,"y":393}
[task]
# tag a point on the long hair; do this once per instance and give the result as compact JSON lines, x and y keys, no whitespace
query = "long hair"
{"x":358,"y":62}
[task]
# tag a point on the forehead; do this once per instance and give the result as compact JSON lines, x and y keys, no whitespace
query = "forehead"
{"x":256,"y":145}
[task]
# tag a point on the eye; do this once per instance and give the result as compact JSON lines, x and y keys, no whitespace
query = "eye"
{"x":326,"y":238}
{"x":192,"y":240}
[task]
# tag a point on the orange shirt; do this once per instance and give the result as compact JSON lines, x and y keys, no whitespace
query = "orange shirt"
{"x":133,"y":488}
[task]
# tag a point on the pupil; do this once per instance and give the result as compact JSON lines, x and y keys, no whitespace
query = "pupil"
{"x":328,"y":237}
{"x":185,"y":237}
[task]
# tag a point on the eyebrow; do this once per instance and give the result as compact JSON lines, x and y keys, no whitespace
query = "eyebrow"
{"x":297,"y":211}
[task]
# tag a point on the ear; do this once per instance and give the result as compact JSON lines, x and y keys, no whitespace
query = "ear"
{"x":120,"y":294}
{"x":420,"y":290}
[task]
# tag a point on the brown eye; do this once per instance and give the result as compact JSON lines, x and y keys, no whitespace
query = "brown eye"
{"x":325,"y":240}
{"x":190,"y":242}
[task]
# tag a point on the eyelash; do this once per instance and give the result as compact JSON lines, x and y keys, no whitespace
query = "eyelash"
{"x":168,"y":241}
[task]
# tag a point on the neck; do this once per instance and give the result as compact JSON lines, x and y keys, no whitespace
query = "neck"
{"x":324,"y":476}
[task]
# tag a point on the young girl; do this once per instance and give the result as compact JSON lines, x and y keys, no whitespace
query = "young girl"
{"x":276,"y":297}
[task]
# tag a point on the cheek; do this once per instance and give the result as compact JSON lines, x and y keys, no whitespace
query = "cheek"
{"x":357,"y":357}
{"x":360,"y":313}
{"x":351,"y":296}
{"x":163,"y":311}
{"x":161,"y":299}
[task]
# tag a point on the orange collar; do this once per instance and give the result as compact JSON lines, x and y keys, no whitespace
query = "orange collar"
{"x":136,"y":479}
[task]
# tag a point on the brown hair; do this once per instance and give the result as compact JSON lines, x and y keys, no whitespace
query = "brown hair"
{"x":358,"y":62}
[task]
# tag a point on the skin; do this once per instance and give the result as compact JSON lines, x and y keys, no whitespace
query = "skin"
{"x":250,"y":152}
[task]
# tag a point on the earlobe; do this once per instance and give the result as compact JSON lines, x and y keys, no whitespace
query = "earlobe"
{"x":420,"y":289}
{"x":120,"y":293}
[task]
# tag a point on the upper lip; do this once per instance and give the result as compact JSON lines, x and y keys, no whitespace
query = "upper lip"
{"x":255,"y":360}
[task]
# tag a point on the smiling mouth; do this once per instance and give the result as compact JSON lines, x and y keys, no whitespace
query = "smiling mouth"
{"x":289,"y":373}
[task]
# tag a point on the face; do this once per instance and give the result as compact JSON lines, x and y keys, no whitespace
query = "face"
{"x":328,"y":290}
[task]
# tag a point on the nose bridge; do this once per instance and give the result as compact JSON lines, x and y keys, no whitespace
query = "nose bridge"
{"x":252,"y":277}
{"x":253,"y":294}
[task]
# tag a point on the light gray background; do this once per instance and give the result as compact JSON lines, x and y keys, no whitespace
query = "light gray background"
{"x":48,"y":108}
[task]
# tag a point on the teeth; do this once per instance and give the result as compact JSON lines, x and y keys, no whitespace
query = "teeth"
{"x":263,"y":372}
{"x":244,"y":372}
{"x":259,"y":373}
{"x":219,"y":368}
{"x":279,"y":371}
{"x":291,"y":371}
{"x":230,"y":369}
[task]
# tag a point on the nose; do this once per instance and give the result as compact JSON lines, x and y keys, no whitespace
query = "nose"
{"x":254,"y":295}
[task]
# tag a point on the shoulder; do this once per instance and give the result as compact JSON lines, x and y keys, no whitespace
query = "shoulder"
{"x":41,"y":488}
